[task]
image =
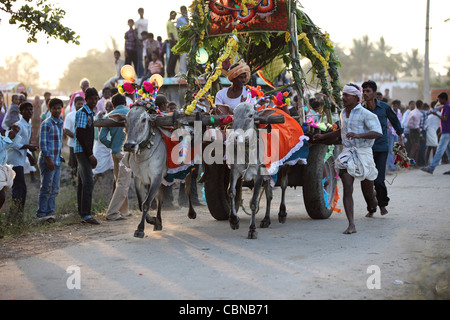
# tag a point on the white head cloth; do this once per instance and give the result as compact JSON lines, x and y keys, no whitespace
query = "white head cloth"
{"x":353,"y":91}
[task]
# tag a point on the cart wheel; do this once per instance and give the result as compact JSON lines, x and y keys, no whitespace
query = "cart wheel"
{"x":217,"y":178}
{"x":318,"y":205}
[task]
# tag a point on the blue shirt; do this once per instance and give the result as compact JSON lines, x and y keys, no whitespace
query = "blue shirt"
{"x":51,"y":139}
{"x":84,"y":118}
{"x":117,"y":134}
{"x":5,"y":144}
{"x":16,"y":156}
{"x":384,"y":113}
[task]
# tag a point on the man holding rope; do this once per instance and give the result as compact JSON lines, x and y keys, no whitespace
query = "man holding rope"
{"x":359,"y":129}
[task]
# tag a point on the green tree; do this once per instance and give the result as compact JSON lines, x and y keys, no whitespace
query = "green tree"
{"x":38,"y":16}
{"x":413,"y":64}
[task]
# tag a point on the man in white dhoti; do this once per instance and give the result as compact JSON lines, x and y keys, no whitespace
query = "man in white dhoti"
{"x":358,"y":129}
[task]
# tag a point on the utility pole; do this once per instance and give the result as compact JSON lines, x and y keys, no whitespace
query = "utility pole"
{"x":426,"y":83}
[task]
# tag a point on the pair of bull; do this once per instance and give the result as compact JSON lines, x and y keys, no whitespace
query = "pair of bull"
{"x":146,"y":155}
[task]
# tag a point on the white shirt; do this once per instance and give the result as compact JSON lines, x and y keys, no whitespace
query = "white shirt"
{"x":15,"y":155}
{"x":360,"y":121}
{"x":222,"y":98}
{"x":69,"y":124}
{"x":141,"y":25}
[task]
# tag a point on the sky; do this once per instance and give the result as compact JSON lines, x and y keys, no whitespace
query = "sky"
{"x":400,"y":22}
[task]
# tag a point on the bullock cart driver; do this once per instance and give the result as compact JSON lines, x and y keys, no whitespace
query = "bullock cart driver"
{"x":239,"y":76}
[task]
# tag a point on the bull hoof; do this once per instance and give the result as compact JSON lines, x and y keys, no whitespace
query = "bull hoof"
{"x":252,"y":234}
{"x":282,"y":216}
{"x":157,"y":227}
{"x":192,"y":214}
{"x":139,"y":234}
{"x":234,"y":224}
{"x":264,"y":223}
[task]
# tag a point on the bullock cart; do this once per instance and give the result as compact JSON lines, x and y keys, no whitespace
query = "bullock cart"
{"x":272,"y":37}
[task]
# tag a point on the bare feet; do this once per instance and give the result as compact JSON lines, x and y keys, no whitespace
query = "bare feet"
{"x":383,"y":211}
{"x":351,"y":229}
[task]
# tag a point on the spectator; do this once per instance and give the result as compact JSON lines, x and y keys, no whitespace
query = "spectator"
{"x":3,"y":110}
{"x":114,"y":138}
{"x":141,"y":25}
{"x":101,"y":153}
{"x":444,"y":142}
{"x":431,"y":126}
{"x":392,"y":135}
{"x":118,"y":64}
{"x":13,"y":113}
{"x":156,"y":66}
{"x":84,"y":85}
{"x":17,"y":155}
{"x":6,"y":172}
{"x":68,"y":130}
{"x":182,"y":22}
{"x":413,"y":124}
{"x":106,"y":95}
{"x":172,"y":34}
{"x":131,"y":45}
{"x":83,"y":149}
{"x":50,"y":161}
{"x":44,"y":107}
{"x":409,"y":108}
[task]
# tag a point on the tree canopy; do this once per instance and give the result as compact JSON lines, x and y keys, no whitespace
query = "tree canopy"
{"x":39,"y":16}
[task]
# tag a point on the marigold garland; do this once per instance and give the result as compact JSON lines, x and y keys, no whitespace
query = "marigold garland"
{"x":303,"y":36}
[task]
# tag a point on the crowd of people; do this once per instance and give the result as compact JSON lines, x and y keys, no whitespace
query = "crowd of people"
{"x":149,"y":55}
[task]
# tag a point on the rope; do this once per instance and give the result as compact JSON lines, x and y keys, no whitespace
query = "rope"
{"x":259,"y":200}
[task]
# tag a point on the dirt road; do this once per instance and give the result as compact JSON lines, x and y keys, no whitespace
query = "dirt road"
{"x":403,"y":255}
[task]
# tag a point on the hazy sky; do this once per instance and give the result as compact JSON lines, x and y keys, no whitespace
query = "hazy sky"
{"x":401,"y":22}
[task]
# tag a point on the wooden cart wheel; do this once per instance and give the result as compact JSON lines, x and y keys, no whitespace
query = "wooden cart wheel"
{"x":317,"y":206}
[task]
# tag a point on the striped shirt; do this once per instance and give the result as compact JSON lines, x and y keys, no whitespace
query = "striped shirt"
{"x":84,"y":119}
{"x":51,"y":140}
{"x":360,"y":121}
{"x":155,"y":67}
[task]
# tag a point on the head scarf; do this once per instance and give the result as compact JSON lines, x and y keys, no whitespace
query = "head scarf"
{"x":241,"y":68}
{"x":352,"y":90}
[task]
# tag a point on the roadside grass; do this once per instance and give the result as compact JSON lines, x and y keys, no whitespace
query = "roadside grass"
{"x":66,"y":212}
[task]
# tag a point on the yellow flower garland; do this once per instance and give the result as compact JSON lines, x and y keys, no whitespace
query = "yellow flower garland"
{"x":303,"y":36}
{"x":230,"y":52}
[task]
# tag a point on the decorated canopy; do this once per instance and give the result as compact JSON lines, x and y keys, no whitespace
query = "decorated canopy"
{"x":269,"y":35}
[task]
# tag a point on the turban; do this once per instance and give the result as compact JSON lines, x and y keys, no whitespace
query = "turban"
{"x":352,"y":90}
{"x":241,"y":68}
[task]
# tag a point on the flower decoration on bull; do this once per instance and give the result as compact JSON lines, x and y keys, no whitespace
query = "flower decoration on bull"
{"x":401,"y":156}
{"x":281,"y":99}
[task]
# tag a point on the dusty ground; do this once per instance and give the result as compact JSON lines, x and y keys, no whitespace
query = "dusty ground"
{"x":204,"y":259}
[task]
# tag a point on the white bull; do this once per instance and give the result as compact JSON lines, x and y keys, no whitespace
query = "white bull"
{"x":146,"y":155}
{"x":250,"y":169}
